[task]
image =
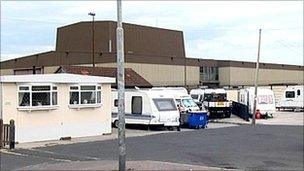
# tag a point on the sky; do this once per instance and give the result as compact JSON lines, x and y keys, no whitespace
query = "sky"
{"x":225,"y":30}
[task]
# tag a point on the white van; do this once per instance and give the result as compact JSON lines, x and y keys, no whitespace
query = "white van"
{"x":147,"y":107}
{"x":265,"y":100}
{"x":292,"y":98}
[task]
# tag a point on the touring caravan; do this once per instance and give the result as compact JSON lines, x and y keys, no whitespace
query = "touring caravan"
{"x":184,"y":101}
{"x":292,"y":98}
{"x":265,"y":100}
{"x":147,"y":107}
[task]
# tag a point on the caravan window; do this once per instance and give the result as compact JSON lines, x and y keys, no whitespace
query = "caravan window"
{"x":164,"y":104}
{"x":137,"y":105}
{"x":298,"y":92}
{"x":290,"y":94}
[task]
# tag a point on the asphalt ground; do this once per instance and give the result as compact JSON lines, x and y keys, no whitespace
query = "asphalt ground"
{"x":260,"y":147}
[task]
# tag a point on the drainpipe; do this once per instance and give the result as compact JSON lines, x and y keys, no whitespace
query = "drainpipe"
{"x":34,"y":70}
{"x":1,"y":101}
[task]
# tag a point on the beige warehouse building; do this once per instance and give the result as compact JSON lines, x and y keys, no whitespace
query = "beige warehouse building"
{"x":157,"y":54}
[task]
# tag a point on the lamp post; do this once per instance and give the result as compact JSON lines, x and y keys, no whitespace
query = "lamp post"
{"x":121,"y":88}
{"x":256,"y":80}
{"x":93,"y":30}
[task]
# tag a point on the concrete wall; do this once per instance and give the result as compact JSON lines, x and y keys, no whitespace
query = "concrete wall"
{"x":163,"y":75}
{"x":60,"y":122}
{"x":46,"y":70}
{"x":50,"y":70}
{"x":235,"y":76}
{"x":232,"y":95}
{"x":6,"y":72}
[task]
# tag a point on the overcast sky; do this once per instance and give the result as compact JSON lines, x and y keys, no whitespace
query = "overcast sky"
{"x":214,"y":30}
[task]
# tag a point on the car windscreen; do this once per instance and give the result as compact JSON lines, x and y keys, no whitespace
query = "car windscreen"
{"x":164,"y":104}
{"x":189,"y":103}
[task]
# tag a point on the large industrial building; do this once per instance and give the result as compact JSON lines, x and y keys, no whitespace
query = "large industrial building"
{"x":157,"y":54}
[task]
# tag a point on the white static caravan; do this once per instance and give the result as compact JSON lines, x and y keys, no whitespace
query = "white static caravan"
{"x":292,"y":98}
{"x":265,"y":100}
{"x":52,"y":106}
{"x":147,"y":107}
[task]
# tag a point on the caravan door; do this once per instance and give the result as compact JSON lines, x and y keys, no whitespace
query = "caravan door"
{"x":299,"y":98}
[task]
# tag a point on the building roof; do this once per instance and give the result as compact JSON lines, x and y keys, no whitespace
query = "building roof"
{"x":55,"y":78}
{"x":132,"y":78}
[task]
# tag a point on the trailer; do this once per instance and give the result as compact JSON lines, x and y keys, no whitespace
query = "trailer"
{"x":292,"y":98}
{"x":265,"y":100}
{"x":147,"y":107}
{"x":214,"y":100}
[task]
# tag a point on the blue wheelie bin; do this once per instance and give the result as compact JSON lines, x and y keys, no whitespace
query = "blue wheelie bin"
{"x":197,"y":119}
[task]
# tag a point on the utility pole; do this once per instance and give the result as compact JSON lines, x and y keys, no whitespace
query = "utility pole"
{"x":185,"y":74}
{"x":256,"y":80}
{"x":121,"y":89}
{"x":93,"y":42}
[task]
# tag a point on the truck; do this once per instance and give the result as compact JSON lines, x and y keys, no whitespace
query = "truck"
{"x":214,"y":100}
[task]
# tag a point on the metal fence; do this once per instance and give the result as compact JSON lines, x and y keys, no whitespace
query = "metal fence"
{"x":7,"y":134}
{"x":240,"y":110}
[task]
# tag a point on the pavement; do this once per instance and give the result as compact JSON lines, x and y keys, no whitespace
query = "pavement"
{"x":113,"y":165}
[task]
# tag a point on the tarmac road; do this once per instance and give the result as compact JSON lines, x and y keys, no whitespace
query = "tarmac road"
{"x":261,"y":147}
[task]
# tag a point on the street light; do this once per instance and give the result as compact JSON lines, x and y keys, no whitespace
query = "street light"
{"x":93,"y":21}
{"x":121,"y":88}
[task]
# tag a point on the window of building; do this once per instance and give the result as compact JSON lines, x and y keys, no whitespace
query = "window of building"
{"x":209,"y":74}
{"x":136,"y":105}
{"x":85,"y":95}
{"x":290,"y":94}
{"x":37,"y":96}
{"x":298,"y":92}
{"x":28,"y":71}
